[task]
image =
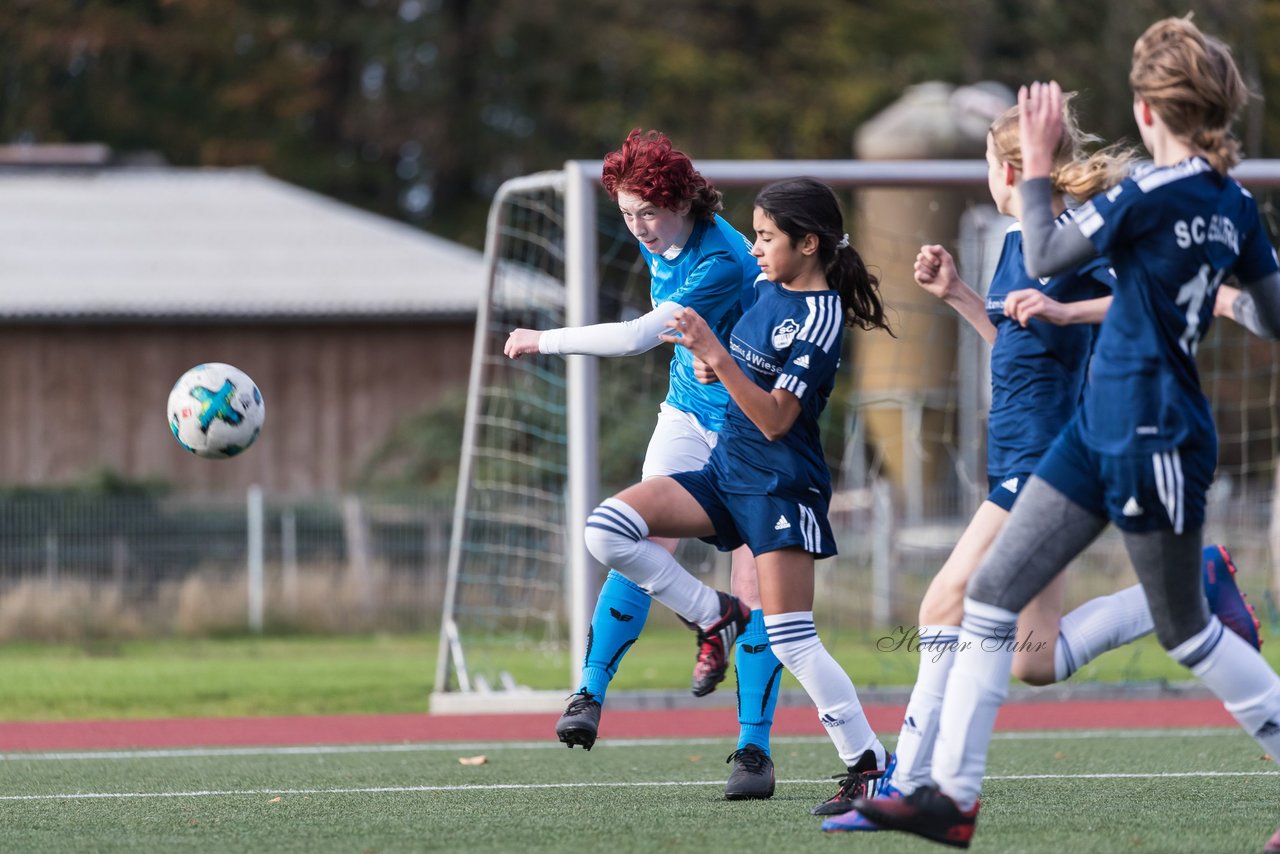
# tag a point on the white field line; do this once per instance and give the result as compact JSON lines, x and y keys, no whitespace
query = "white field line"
{"x":216,"y":793}
{"x":455,"y":746}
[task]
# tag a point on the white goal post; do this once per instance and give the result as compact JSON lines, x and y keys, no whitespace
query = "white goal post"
{"x":519,"y":573}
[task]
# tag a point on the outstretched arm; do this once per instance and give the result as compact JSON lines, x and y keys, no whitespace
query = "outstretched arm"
{"x":773,"y":412}
{"x":935,"y":271}
{"x":627,"y":338}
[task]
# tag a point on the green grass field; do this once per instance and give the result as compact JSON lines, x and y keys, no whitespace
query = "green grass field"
{"x":386,"y":673}
{"x":1193,"y":791}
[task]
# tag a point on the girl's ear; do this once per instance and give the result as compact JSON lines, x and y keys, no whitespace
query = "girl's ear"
{"x":809,"y":246}
{"x":1010,"y":174}
{"x":1146,"y":114}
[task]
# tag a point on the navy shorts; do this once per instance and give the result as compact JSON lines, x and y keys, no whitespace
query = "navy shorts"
{"x":1163,"y":491}
{"x":1004,"y":490}
{"x":765,"y":523}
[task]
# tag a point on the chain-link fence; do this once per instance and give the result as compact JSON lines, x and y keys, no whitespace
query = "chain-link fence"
{"x":77,"y":566}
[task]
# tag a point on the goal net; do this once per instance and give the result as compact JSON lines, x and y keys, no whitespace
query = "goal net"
{"x":546,"y":436}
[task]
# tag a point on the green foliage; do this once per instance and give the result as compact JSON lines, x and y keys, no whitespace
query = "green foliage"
{"x":420,"y":109}
{"x":104,"y":482}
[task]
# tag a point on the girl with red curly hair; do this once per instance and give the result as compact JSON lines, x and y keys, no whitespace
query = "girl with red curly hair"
{"x":696,"y":260}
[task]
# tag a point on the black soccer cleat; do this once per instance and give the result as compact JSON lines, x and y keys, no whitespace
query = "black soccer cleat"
{"x":714,"y":644}
{"x":752,"y":775}
{"x":580,"y":721}
{"x":860,"y":781}
{"x":925,"y":812}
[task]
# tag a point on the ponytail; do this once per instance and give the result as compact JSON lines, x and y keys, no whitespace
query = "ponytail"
{"x":1074,"y":173}
{"x":1219,"y":146}
{"x":1084,"y":177}
{"x":859,"y":289}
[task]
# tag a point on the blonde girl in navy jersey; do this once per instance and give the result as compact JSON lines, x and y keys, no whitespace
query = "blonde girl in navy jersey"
{"x":1037,"y":376}
{"x":1141,"y":451}
{"x":767,"y":484}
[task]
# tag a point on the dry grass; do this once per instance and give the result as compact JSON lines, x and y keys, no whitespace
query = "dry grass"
{"x":324,"y":599}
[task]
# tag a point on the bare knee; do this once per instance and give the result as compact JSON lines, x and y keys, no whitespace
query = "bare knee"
{"x":943,"y":602}
{"x":1034,"y":669}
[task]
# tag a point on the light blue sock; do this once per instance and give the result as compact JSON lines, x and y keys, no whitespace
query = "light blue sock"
{"x":620,"y":614}
{"x":759,"y":673}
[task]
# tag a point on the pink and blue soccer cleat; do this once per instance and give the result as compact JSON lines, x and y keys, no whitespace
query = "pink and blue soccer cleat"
{"x":854,"y":820}
{"x":925,"y":812}
{"x":1224,"y":597}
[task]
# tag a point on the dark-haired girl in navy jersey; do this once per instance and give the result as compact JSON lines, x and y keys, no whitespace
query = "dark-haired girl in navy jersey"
{"x":767,"y":484}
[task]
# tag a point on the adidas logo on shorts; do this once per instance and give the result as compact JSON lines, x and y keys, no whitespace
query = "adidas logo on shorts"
{"x":1132,"y":507}
{"x":782,"y":524}
{"x":1011,"y":484}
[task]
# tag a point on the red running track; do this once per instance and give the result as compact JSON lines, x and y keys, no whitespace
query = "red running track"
{"x":679,"y":723}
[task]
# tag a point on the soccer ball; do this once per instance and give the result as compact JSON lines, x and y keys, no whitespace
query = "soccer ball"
{"x":215,"y":411}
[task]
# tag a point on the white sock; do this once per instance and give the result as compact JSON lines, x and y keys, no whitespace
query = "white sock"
{"x":1100,"y":625}
{"x":616,"y":536}
{"x":914,"y":751}
{"x":795,"y":642}
{"x":1240,"y":677}
{"x":977,"y":686}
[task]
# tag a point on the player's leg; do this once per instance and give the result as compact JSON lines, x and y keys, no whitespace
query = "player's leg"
{"x":786,"y":537}
{"x":1170,"y":570}
{"x":1059,"y":646}
{"x":936,"y":636}
{"x":759,"y":673}
{"x":618,"y":532}
{"x":681,"y":444}
{"x":1027,"y":555}
{"x":678,"y":443}
{"x":786,"y":591}
{"x":939,"y":632}
{"x":1167,"y":556}
{"x":1052,"y":646}
{"x":620,"y":614}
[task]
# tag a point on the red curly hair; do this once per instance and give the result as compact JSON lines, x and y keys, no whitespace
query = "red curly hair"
{"x":651,"y":168}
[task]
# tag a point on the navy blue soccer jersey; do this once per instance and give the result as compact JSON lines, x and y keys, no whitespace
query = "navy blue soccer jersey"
{"x":789,"y":340}
{"x":1173,"y":234}
{"x":714,"y":275}
{"x":1037,"y":371}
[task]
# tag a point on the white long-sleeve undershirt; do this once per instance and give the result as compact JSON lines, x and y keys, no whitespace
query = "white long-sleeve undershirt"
{"x":627,"y":338}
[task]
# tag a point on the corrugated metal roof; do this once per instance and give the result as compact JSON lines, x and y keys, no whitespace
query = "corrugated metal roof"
{"x":196,"y":243}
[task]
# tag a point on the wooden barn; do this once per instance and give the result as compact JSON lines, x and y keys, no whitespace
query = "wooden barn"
{"x":116,"y":280}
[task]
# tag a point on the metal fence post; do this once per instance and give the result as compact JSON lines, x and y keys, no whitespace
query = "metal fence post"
{"x":255,"y":549}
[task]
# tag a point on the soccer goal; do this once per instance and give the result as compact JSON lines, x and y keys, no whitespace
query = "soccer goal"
{"x":546,"y":436}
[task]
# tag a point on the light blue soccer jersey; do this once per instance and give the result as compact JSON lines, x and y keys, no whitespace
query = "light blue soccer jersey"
{"x":1173,"y":234}
{"x":1037,"y":371}
{"x":789,"y":340}
{"x":714,"y":275}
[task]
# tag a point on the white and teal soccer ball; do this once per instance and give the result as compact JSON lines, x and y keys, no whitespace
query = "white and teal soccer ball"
{"x":215,"y":411}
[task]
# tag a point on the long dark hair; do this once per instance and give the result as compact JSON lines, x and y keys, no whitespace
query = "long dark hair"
{"x":801,"y":206}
